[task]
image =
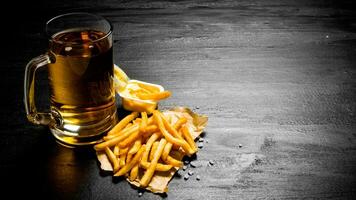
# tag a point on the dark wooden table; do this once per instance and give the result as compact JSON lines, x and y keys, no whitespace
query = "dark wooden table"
{"x":277,"y":77}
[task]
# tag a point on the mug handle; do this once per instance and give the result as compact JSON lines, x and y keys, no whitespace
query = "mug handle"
{"x":29,"y":93}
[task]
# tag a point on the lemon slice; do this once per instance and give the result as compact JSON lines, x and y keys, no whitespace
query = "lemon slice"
{"x":120,"y":79}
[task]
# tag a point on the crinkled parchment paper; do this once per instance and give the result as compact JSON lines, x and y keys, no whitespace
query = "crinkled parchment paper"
{"x":159,"y":182}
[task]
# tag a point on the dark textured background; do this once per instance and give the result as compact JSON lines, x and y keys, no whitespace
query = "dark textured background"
{"x":276,"y":76}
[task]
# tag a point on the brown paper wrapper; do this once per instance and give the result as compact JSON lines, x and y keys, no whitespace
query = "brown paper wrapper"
{"x":159,"y":183}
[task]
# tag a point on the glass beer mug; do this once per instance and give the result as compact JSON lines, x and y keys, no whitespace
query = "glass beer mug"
{"x":80,"y":73}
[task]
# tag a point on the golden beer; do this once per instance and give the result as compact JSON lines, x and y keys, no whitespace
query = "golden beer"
{"x":80,"y":77}
{"x":80,"y":72}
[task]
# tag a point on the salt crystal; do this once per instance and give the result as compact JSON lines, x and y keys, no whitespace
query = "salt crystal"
{"x":200,"y":145}
{"x":193,"y":164}
{"x":186,"y":176}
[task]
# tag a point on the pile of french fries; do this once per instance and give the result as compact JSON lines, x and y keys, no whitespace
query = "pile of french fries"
{"x":140,"y":145}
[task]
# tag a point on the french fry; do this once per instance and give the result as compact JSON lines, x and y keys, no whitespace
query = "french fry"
{"x":174,"y":162}
{"x":151,"y":89}
{"x":154,"y":96}
{"x":169,"y":137}
{"x":143,"y":90}
{"x":149,"y":144}
{"x":122,"y":156}
{"x":125,"y":131}
{"x":116,"y":150}
{"x":132,"y":163}
{"x":129,"y":148}
{"x":159,"y":167}
{"x":188,"y":137}
{"x":113,"y":141}
{"x":169,"y":127}
{"x":150,"y":171}
{"x":172,"y":130}
{"x":140,"y":90}
{"x":128,"y":158}
{"x":177,"y":126}
{"x":166,"y":150}
{"x":133,"y":173}
{"x":128,"y":125}
{"x":143,"y":123}
{"x":123,"y":151}
{"x":169,"y":145}
{"x":122,"y":160}
{"x":151,"y":129}
{"x":135,"y":147}
{"x":150,"y":121}
{"x":119,"y":126}
{"x":129,"y":140}
{"x":112,"y":159}
{"x":153,"y":150}
{"x":168,"y":159}
{"x":179,"y":123}
{"x":130,"y":129}
{"x":137,"y":121}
